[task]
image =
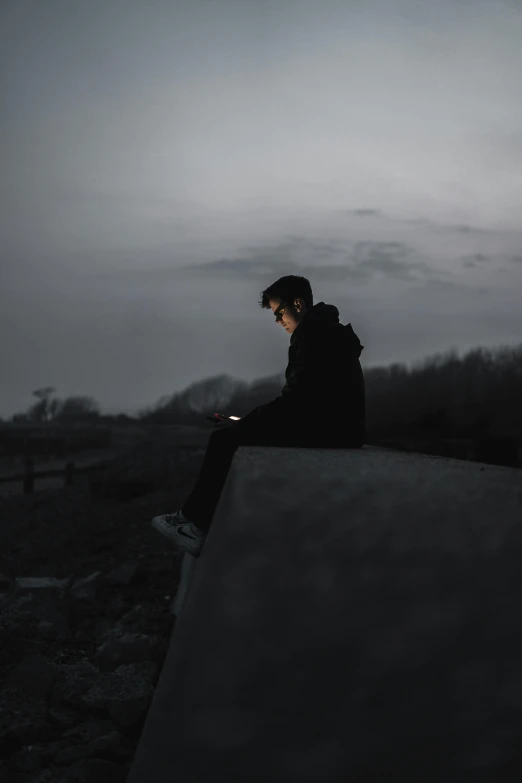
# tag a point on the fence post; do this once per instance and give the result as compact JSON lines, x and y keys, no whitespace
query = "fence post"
{"x":69,"y":474}
{"x":28,"y":475}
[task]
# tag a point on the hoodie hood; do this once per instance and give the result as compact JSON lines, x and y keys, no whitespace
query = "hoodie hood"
{"x":326,"y":316}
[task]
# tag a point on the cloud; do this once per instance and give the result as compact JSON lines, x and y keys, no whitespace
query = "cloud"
{"x":317,"y":249}
{"x":465,"y":229}
{"x":363,"y":262}
{"x":392,"y":259}
{"x":460,"y":228}
{"x":500,"y":261}
{"x":474,"y":259}
{"x":363,"y":212}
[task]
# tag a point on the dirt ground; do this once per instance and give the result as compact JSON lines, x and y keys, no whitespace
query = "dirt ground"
{"x":98,"y":524}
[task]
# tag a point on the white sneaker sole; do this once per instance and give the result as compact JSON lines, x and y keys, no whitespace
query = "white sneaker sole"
{"x":178,"y":536}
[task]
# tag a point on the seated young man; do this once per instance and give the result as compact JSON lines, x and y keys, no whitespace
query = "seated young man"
{"x":322,"y":404}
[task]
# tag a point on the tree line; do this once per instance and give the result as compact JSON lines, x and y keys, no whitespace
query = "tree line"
{"x":476,"y":397}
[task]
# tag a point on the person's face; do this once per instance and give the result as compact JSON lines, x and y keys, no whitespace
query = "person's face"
{"x":290,"y":317}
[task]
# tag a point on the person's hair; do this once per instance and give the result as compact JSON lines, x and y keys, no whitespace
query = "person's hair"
{"x":288,"y":289}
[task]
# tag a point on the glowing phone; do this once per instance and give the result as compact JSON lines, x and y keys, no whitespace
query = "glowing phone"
{"x":217,"y":417}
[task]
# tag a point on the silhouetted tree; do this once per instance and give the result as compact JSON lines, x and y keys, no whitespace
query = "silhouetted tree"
{"x":76,"y":408}
{"x":440,"y":399}
{"x":40,"y":411}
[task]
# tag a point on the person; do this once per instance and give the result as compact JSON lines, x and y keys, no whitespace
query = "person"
{"x":322,"y":404}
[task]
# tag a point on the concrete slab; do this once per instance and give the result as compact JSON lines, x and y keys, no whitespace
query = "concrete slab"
{"x":354,"y":615}
{"x":188,"y":566}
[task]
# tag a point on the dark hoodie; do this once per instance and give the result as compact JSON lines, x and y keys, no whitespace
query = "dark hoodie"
{"x":323,"y":394}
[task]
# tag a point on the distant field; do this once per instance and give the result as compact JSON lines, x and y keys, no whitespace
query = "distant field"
{"x":9,"y":488}
{"x":182,"y":435}
{"x":138,"y":453}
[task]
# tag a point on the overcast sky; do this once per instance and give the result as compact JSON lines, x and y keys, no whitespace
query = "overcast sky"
{"x":163,"y":162}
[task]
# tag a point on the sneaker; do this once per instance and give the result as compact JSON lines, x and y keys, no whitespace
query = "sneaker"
{"x":184,"y":534}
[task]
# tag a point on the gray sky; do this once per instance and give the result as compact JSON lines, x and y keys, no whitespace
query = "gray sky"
{"x":163,"y":162}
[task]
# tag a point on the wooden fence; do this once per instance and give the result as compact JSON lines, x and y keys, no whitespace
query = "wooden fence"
{"x":24,"y":441}
{"x":68,"y":472}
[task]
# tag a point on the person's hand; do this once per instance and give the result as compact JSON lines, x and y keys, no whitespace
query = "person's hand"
{"x":216,"y":418}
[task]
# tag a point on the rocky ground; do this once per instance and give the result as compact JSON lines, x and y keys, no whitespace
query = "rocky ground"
{"x":86,"y":586}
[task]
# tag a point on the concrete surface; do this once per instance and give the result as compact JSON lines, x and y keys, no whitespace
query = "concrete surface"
{"x":355,"y":616}
{"x":188,"y":566}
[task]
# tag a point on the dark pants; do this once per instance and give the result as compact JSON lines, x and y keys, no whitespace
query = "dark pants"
{"x":200,"y":505}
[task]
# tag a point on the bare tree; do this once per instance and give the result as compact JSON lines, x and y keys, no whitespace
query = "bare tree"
{"x":76,"y":408}
{"x":41,"y":410}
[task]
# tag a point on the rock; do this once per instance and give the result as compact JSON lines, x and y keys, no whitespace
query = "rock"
{"x":95,"y":627}
{"x":125,"y":712}
{"x":35,"y":675}
{"x":29,"y":759}
{"x":42,"y":606}
{"x":149,"y":618}
{"x":68,"y":754}
{"x":5,"y":638}
{"x":47,"y":630}
{"x":81,"y":636}
{"x":106,"y":744}
{"x":122,"y":648}
{"x":46,"y":611}
{"x":6,"y":583}
{"x":89,"y":730}
{"x":40,"y":583}
{"x":96,"y":771}
{"x":113,"y":743}
{"x":23,"y":719}
{"x":115,"y":606}
{"x":132,"y":621}
{"x":126,"y":693}
{"x":63,"y":716}
{"x":87,"y":587}
{"x":124,"y":574}
{"x":73,"y":681}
